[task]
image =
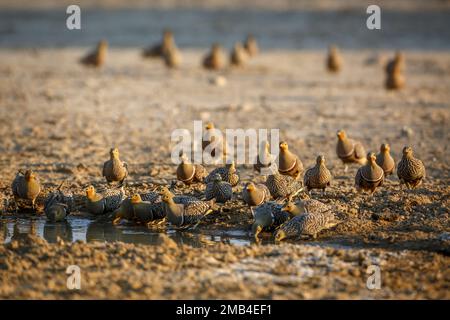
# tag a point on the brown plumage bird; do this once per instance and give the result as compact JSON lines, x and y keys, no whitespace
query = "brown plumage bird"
{"x":107,"y":201}
{"x":370,"y":176}
{"x":334,"y":59}
{"x":264,"y":159}
{"x":410,"y":170}
{"x":238,"y":55}
{"x":97,"y":57}
{"x":190,"y":173}
{"x":288,"y":163}
{"x":26,"y":186}
{"x":227,"y":173}
{"x":282,"y":186}
{"x":349,"y":151}
{"x":267,"y":217}
{"x":160,"y":49}
{"x":255,"y":194}
{"x":219,"y":190}
{"x":251,"y":46}
{"x":317,"y":177}
{"x":395,"y":81}
{"x":172,"y":57}
{"x":215,"y":143}
{"x":385,"y":160}
{"x":214,"y":60}
{"x":394,"y":72}
{"x":115,"y":170}
{"x":397,"y":64}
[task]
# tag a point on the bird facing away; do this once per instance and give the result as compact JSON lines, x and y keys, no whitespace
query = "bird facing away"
{"x":107,"y":201}
{"x":190,"y":173}
{"x":212,"y":142}
{"x":228,"y":173}
{"x":219,"y":190}
{"x":410,"y":170}
{"x":288,"y":163}
{"x":58,"y":205}
{"x":160,"y":49}
{"x":214,"y":60}
{"x":97,"y":57}
{"x":267,"y":217}
{"x":238,"y":55}
{"x":179,"y":214}
{"x":348,"y":150}
{"x":307,"y":224}
{"x":264,"y":159}
{"x":255,"y":194}
{"x":172,"y":57}
{"x":334,"y":60}
{"x":251,"y":46}
{"x":370,"y":176}
{"x":385,"y":160}
{"x":26,"y":186}
{"x":282,"y":186}
{"x":317,"y":177}
{"x":115,"y":170}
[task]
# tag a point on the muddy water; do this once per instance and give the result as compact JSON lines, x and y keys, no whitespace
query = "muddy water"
{"x":90,"y":230}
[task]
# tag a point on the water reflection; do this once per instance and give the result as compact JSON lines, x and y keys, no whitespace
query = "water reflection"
{"x":53,"y":230}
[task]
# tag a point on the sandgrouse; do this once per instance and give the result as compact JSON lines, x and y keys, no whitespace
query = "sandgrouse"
{"x":97,"y":57}
{"x":255,"y":194}
{"x":288,"y":163}
{"x":349,"y":151}
{"x":214,"y":60}
{"x":385,"y":160}
{"x":115,"y":170}
{"x":370,"y":176}
{"x":410,"y":170}
{"x":26,"y":186}
{"x":317,"y":177}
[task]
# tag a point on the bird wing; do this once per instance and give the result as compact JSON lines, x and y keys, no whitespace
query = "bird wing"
{"x":359,"y":150}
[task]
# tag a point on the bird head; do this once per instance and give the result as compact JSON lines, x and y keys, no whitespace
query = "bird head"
{"x":136,"y":198}
{"x":217,"y":177}
{"x":407,"y":151}
{"x":371,"y":157}
{"x":209,"y":126}
{"x":250,"y":187}
{"x":284,"y":146}
{"x":231,"y":166}
{"x":294,"y":208}
{"x":280,"y":235}
{"x":90,"y":192}
{"x":29,"y":175}
{"x":114,"y":153}
{"x":341,"y":134}
{"x":320,"y":160}
{"x":385,"y":147}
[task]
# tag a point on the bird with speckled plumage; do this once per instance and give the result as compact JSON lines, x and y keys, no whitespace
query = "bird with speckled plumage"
{"x":282,"y":186}
{"x":107,"y":201}
{"x":370,"y":176}
{"x":410,"y":170}
{"x":26,"y":186}
{"x":317,"y":177}
{"x":228,"y":173}
{"x":115,"y":170}
{"x":267,"y":217}
{"x":58,"y":204}
{"x":218,"y":189}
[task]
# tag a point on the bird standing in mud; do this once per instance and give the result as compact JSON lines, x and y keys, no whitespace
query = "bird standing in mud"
{"x":160,"y":49}
{"x":349,"y":151}
{"x":267,"y":217}
{"x":288,"y":163}
{"x":410,"y":170}
{"x":334,"y":59}
{"x":190,"y":173}
{"x":97,"y":57}
{"x":115,"y":170}
{"x":26,"y":186}
{"x":107,"y":201}
{"x":370,"y":176}
{"x":219,"y":190}
{"x":238,"y":55}
{"x":228,"y":173}
{"x":214,"y":60}
{"x":317,"y":177}
{"x":385,"y":160}
{"x":58,"y":205}
{"x":145,"y":211}
{"x":255,"y":194}
{"x":251,"y":46}
{"x":282,"y":186}
{"x":187,"y":214}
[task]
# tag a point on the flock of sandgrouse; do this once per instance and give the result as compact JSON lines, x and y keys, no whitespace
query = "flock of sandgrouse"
{"x":271,"y":202}
{"x":239,"y":55}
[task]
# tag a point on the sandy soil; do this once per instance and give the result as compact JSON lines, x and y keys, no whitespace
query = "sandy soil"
{"x":60,"y":119}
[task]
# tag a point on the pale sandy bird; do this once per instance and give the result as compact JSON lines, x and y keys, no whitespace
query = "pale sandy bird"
{"x":349,"y":150}
{"x":370,"y":176}
{"x":214,"y":60}
{"x":190,"y":173}
{"x":238,"y":55}
{"x":115,"y":170}
{"x":288,"y":163}
{"x":228,"y":173}
{"x":317,"y":177}
{"x":97,"y":57}
{"x":219,"y":190}
{"x":267,"y":217}
{"x":385,"y":160}
{"x":334,"y":59}
{"x":213,"y":141}
{"x":264,"y":159}
{"x":161,"y":48}
{"x":410,"y":170}
{"x":251,"y":46}
{"x":107,"y":201}
{"x":26,"y":186}
{"x":179,"y":214}
{"x":307,"y":224}
{"x":282,"y":186}
{"x":172,"y":57}
{"x":397,"y":64}
{"x":255,"y":194}
{"x":395,"y":81}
